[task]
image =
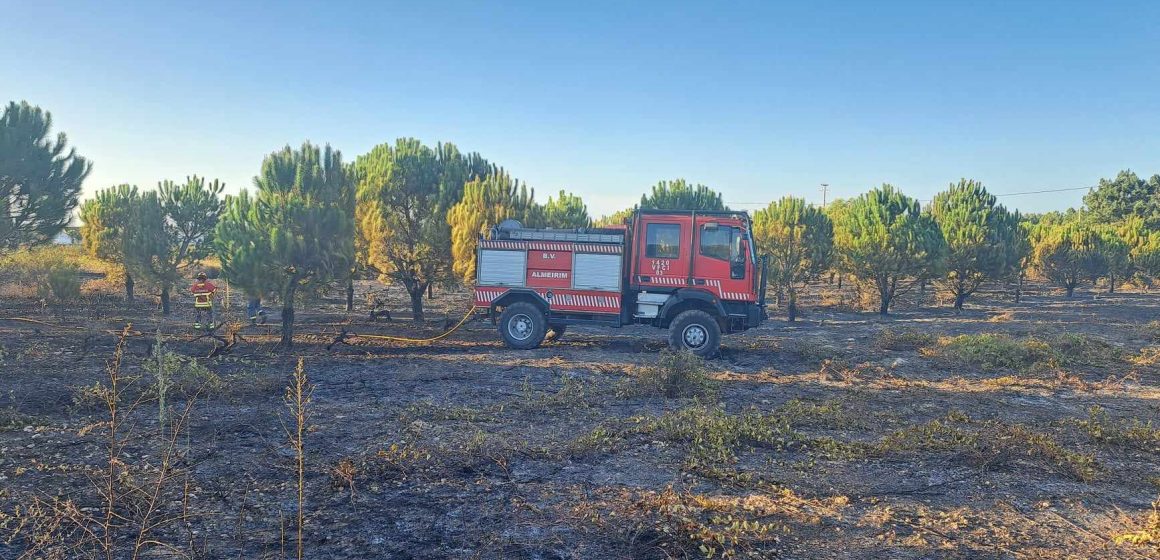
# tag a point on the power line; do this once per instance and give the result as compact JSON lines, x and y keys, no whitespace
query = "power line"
{"x":1045,"y":191}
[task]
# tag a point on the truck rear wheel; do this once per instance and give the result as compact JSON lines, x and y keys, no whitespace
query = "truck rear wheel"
{"x":697,"y":332}
{"x":522,"y":326}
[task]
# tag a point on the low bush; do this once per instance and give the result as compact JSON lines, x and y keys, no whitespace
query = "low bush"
{"x":48,"y":273}
{"x":675,"y":375}
{"x":904,"y":339}
{"x":1000,"y":351}
{"x":61,"y":283}
{"x":716,"y":436}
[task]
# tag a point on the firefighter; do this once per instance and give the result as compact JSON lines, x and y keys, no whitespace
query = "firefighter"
{"x":203,"y":291}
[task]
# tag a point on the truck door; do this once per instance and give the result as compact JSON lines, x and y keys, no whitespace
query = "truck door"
{"x":721,"y":259}
{"x":662,"y":256}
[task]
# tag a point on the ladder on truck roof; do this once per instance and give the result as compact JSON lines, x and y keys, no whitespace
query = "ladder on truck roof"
{"x":600,"y":236}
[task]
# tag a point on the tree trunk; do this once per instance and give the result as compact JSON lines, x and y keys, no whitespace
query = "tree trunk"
{"x":885,"y":294}
{"x":129,"y":287}
{"x":1070,"y":289}
{"x":417,"y":303}
{"x":288,"y":319}
{"x":1111,"y":284}
{"x":840,"y":281}
{"x":350,"y":294}
{"x":793,"y":310}
{"x":165,"y":301}
{"x":959,"y":299}
{"x":1019,"y":288}
{"x":430,"y":291}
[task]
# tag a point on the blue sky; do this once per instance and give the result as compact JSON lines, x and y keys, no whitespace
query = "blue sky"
{"x":758,"y":100}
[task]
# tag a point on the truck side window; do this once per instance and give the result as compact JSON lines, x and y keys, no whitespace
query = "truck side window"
{"x":719,"y":242}
{"x":663,"y":241}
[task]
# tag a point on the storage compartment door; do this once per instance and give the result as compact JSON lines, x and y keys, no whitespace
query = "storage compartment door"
{"x":596,"y":272}
{"x":502,"y":268}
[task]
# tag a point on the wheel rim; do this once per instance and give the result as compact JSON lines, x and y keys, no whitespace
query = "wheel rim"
{"x":695,"y":336}
{"x":520,"y":327}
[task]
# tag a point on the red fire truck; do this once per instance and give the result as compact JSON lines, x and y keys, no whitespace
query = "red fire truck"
{"x":694,"y":273}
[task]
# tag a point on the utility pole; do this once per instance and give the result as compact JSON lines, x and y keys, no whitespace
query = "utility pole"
{"x":825,"y":188}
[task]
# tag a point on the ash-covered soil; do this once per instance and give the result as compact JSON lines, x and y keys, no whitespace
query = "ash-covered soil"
{"x":843,"y":435}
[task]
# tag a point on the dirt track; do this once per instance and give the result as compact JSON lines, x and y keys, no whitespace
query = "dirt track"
{"x":859,"y":437}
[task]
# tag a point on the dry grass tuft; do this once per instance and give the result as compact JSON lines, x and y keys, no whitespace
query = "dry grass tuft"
{"x":688,"y":524}
{"x":1133,"y":433}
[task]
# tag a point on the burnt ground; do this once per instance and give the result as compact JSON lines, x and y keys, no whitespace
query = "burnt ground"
{"x":844,"y":435}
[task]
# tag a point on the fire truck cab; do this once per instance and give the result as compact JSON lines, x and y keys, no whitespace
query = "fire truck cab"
{"x":694,"y":273}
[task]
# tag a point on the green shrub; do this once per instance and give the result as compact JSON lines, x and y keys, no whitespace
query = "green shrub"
{"x":904,"y":339}
{"x":675,"y":375}
{"x":999,"y":351}
{"x":996,"y":351}
{"x":715,"y":437}
{"x":49,"y":273}
{"x":61,"y":282}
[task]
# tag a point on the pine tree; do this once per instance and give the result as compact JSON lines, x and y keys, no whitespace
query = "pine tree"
{"x":835,"y":210}
{"x":172,"y":230}
{"x":296,"y":232}
{"x":1068,"y":254}
{"x":405,"y":192}
{"x":105,"y":221}
{"x":1146,"y":258}
{"x":980,"y":236}
{"x":617,"y":218}
{"x":1116,"y":255}
{"x":885,"y":239}
{"x":240,"y":238}
{"x":566,"y":211}
{"x":799,"y":239}
{"x":1022,"y":253}
{"x":485,"y":203}
{"x":40,"y":177}
{"x":1124,"y":197}
{"x":680,"y":195}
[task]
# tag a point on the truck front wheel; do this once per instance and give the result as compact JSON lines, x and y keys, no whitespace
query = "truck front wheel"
{"x":522,"y":326}
{"x":697,"y":332}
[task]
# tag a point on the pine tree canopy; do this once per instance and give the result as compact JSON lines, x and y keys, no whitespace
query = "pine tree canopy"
{"x":981,"y":237}
{"x":40,"y":177}
{"x":171,"y":229}
{"x":405,"y":194}
{"x":566,"y":211}
{"x":680,"y":195}
{"x":1124,"y":197}
{"x":886,"y":240}
{"x":295,"y":232}
{"x":1068,"y":254}
{"x":799,"y":240}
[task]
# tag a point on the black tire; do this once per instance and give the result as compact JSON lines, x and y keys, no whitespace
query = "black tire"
{"x":522,"y":326}
{"x":554,"y":333}
{"x":696,"y":332}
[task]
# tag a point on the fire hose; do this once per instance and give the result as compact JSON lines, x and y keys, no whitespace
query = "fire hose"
{"x":466,"y":316}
